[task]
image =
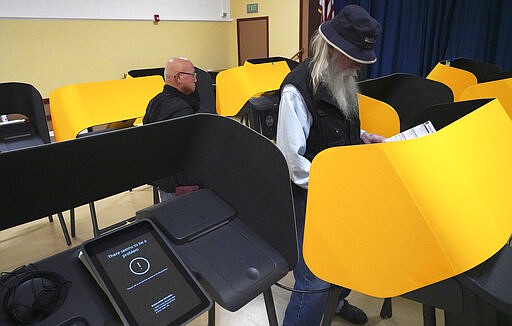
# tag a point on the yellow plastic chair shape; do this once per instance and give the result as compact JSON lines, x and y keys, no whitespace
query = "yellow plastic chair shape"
{"x":413,"y":212}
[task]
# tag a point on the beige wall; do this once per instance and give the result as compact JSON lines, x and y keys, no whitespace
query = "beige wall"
{"x":53,"y":53}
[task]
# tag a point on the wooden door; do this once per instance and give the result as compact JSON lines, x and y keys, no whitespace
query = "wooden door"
{"x":252,"y":35}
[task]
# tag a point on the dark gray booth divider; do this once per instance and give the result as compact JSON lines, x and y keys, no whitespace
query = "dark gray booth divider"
{"x":242,"y":167}
{"x":442,"y":115}
{"x":407,"y":94}
{"x":479,"y":297}
{"x":484,"y":71}
{"x":205,"y":86}
{"x":25,"y":99}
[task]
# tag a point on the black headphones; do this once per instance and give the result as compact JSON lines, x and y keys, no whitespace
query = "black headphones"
{"x":49,"y":291}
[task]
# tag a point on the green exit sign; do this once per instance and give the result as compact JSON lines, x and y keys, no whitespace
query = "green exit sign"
{"x":252,"y":8}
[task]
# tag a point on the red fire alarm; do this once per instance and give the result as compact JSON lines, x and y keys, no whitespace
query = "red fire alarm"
{"x":156,"y":18}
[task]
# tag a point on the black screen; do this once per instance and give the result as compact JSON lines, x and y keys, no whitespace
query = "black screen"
{"x":147,"y":282}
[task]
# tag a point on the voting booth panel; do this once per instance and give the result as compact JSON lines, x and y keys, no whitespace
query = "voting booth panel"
{"x":483,"y":71}
{"x":24,"y":99}
{"x":291,"y":63}
{"x":205,"y":89}
{"x":442,"y":115}
{"x":378,"y":117}
{"x":235,"y":86}
{"x":134,"y":73}
{"x":455,"y":78}
{"x":455,"y":250}
{"x":218,"y":154}
{"x":80,"y":106}
{"x":220,"y":163}
{"x":500,"y":89}
{"x":407,"y":94}
{"x":419,"y":198}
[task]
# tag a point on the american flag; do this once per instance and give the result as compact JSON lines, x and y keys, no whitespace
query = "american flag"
{"x":326,"y":9}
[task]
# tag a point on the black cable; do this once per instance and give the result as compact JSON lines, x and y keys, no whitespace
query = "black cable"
{"x":7,"y":276}
{"x":303,"y":291}
{"x":51,"y":295}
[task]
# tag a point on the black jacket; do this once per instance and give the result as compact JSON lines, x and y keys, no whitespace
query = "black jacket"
{"x":330,"y":126}
{"x":168,"y":104}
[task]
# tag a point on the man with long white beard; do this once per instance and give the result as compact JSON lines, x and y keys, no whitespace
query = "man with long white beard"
{"x":318,"y":109}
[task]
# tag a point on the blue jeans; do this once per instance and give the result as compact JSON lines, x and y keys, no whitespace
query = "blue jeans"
{"x":305,"y":308}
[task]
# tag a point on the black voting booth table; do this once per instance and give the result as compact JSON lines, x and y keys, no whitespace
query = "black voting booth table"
{"x":481,"y":296}
{"x":241,"y":174}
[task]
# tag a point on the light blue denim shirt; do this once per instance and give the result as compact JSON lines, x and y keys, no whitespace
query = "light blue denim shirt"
{"x":293,"y":128}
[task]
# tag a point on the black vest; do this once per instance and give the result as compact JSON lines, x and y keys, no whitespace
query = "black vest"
{"x":330,"y":126}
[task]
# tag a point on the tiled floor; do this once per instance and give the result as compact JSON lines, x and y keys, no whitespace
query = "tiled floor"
{"x":39,"y":239}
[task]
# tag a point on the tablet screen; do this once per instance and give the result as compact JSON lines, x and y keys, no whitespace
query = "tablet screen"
{"x":147,"y":282}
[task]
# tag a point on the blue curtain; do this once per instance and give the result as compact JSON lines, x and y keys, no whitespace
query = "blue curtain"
{"x":418,"y":34}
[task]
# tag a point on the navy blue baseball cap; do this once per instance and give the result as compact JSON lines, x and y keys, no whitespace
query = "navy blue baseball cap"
{"x":353,"y":32}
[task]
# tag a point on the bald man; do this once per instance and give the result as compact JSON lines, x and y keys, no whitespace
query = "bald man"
{"x":176,"y":99}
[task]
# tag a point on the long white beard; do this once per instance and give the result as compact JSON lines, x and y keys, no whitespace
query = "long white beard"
{"x":343,"y":87}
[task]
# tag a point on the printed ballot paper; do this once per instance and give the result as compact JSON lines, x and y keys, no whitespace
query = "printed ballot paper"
{"x":414,"y":132}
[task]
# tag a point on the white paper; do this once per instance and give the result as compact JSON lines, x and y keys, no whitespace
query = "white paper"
{"x":423,"y":129}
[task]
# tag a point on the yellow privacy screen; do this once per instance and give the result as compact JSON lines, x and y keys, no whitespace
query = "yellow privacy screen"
{"x":80,"y":106}
{"x":385,"y":219}
{"x":237,"y":85}
{"x":378,"y":117}
{"x":500,"y":89}
{"x":456,"y":79}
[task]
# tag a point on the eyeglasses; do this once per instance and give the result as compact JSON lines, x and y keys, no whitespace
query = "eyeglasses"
{"x":188,"y":73}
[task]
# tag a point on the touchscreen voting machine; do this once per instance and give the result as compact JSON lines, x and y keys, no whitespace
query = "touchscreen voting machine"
{"x":234,"y":263}
{"x":143,"y":278}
